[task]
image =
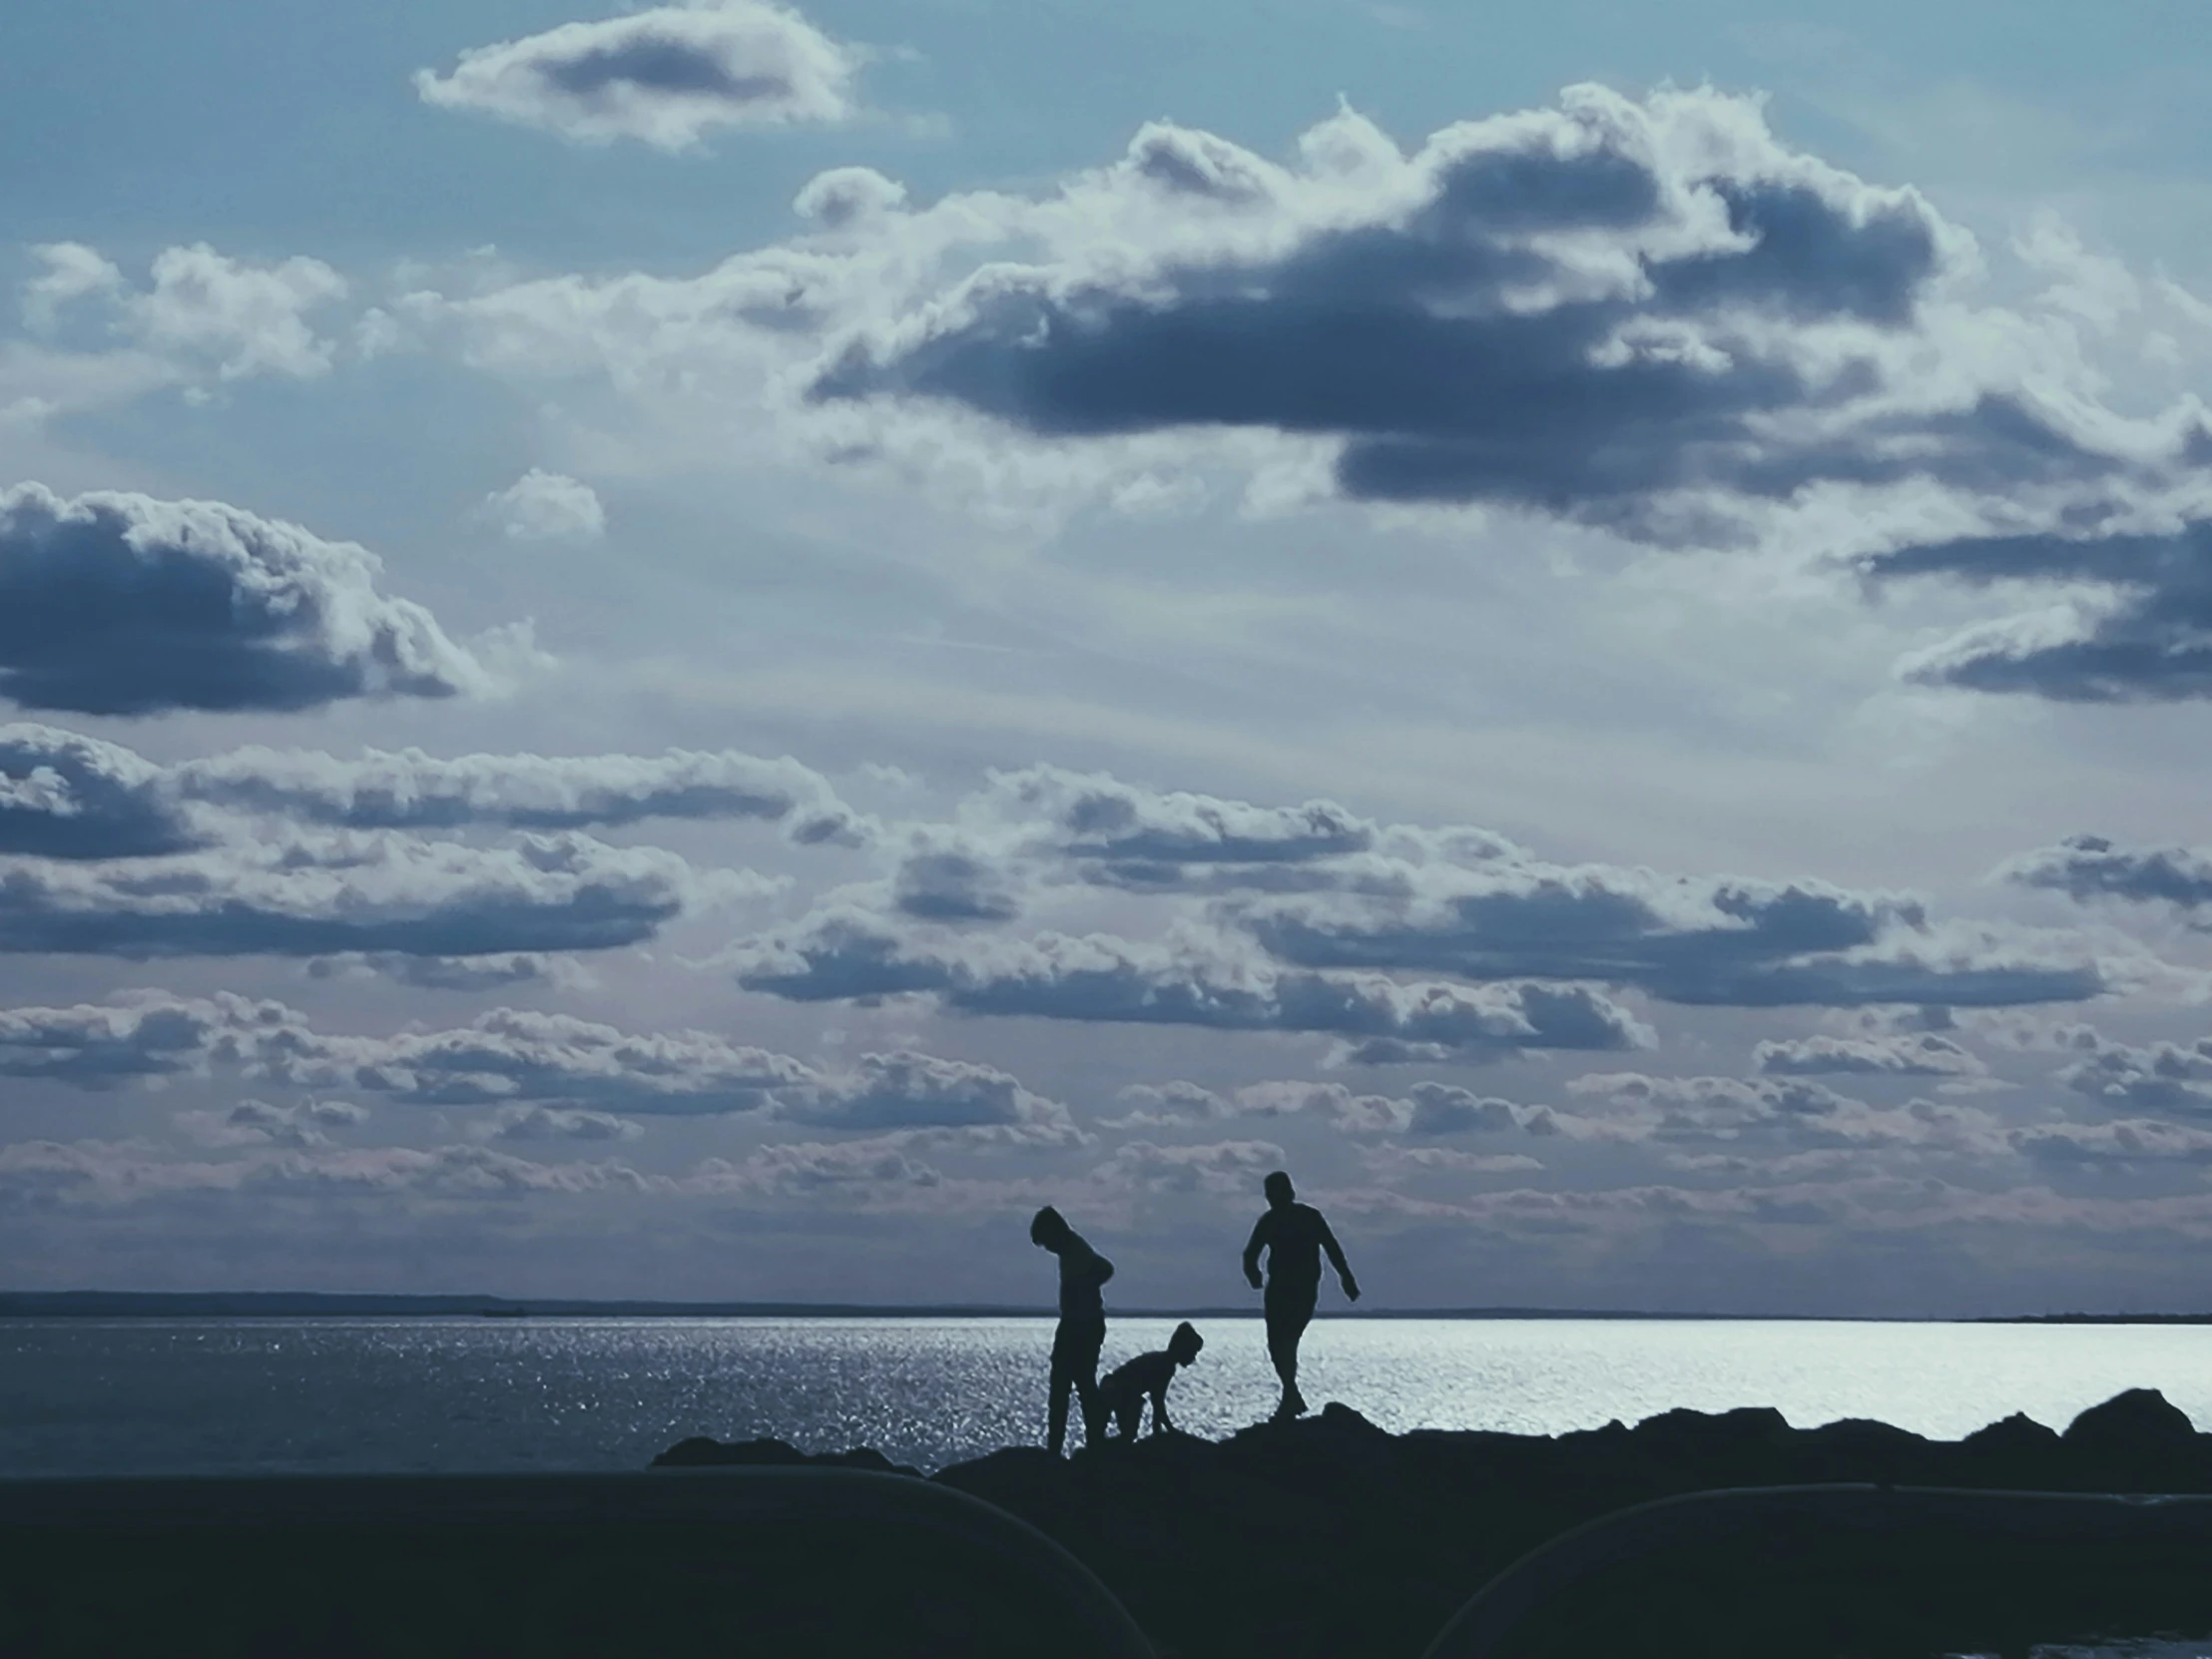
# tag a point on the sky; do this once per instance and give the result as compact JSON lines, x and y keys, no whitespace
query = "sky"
{"x":706,"y":652}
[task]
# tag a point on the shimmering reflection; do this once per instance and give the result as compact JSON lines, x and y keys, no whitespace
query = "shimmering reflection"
{"x":266,"y":1395}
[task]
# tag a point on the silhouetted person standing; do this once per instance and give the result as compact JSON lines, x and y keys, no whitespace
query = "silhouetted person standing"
{"x":1293,"y":1236}
{"x":1082,"y":1330}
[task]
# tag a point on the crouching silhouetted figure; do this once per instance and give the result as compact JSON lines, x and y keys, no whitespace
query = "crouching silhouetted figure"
{"x":1295,"y":1238}
{"x":1082,"y":1329}
{"x":1121,"y":1395}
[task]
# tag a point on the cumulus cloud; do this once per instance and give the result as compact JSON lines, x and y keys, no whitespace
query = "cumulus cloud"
{"x":1616,"y":310}
{"x":242,"y":317}
{"x":550,"y":1076}
{"x":514,"y":1055}
{"x":1094,"y":817}
{"x":1922,"y":1054}
{"x":409,"y":790}
{"x":455,"y":974}
{"x":2160,"y":1077}
{"x":72,"y":273}
{"x":1791,"y":1112}
{"x":98,"y":1172}
{"x":2090,"y":866}
{"x":2141,"y":633}
{"x":552,"y":1123}
{"x":119,"y":604}
{"x":143,"y":1037}
{"x":1224,"y":1168}
{"x":1713,"y":942}
{"x":842,"y":952}
{"x":908,"y":1091}
{"x":666,"y":77}
{"x":201,"y":311}
{"x":257,"y":1123}
{"x":63,"y":795}
{"x":1653,"y":316}
{"x":319,"y":895}
{"x":2129,"y":1142}
{"x":547,"y":506}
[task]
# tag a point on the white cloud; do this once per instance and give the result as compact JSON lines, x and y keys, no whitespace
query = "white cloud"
{"x":666,"y":77}
{"x":546,"y":506}
{"x":73,"y":272}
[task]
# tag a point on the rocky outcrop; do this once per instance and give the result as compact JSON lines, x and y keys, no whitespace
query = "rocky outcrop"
{"x":1329,"y":1536}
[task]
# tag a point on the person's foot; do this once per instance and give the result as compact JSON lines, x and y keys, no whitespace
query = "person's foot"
{"x":1293,"y":1406}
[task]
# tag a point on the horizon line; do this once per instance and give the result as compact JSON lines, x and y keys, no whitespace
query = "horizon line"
{"x":86,"y":1302}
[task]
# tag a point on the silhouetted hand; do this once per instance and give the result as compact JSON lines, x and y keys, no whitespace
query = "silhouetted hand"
{"x":1257,"y":1284}
{"x":1352,"y":1288}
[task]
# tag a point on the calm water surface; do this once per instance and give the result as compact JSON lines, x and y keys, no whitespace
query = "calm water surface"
{"x":192,"y":1396}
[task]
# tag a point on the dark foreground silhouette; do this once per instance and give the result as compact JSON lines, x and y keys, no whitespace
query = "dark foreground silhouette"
{"x":1330,"y":1538}
{"x":1292,"y":1236}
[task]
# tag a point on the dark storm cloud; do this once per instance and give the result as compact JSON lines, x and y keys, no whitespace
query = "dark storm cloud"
{"x":118,"y":604}
{"x":664,"y":76}
{"x":845,"y":954}
{"x":2090,"y":866}
{"x":2150,"y":640}
{"x":336,"y":895}
{"x":1583,"y":310}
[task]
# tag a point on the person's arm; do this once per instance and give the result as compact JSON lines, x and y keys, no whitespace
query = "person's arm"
{"x":1160,"y":1423}
{"x":1101,"y":1268}
{"x":1337,"y":1260}
{"x":1257,"y":1244}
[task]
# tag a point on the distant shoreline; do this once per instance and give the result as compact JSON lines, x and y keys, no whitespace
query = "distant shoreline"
{"x":342,"y":1305}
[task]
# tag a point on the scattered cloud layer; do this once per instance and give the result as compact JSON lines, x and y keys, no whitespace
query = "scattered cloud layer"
{"x":666,"y":77}
{"x":2091,"y":867}
{"x":843,"y":955}
{"x":335,"y":894}
{"x":64,"y":796}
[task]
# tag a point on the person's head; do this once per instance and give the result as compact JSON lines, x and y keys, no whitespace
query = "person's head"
{"x":1183,"y":1346}
{"x":1048,"y":1227}
{"x":1279,"y":1190}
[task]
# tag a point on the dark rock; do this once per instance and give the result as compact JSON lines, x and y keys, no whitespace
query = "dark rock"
{"x":2141,"y":1422}
{"x":1327,"y":1537}
{"x":2018,"y":1436}
{"x":701,"y":1452}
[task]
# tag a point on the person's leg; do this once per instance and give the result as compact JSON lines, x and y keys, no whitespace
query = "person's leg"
{"x":1063,"y":1380}
{"x":1287,"y":1317}
{"x":1083,"y":1368}
{"x":1128,"y":1412}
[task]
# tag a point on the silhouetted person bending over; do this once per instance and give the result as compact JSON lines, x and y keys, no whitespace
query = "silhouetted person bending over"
{"x":1075,"y":1345}
{"x":1293,"y":1236}
{"x":1124,"y":1389}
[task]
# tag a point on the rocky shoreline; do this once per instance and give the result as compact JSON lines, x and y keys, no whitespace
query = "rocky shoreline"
{"x":1331,"y":1538}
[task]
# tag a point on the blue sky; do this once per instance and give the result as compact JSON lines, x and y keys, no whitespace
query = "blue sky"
{"x":708,"y":652}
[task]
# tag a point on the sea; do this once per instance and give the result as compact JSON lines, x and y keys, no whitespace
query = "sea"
{"x":86,"y":1397}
